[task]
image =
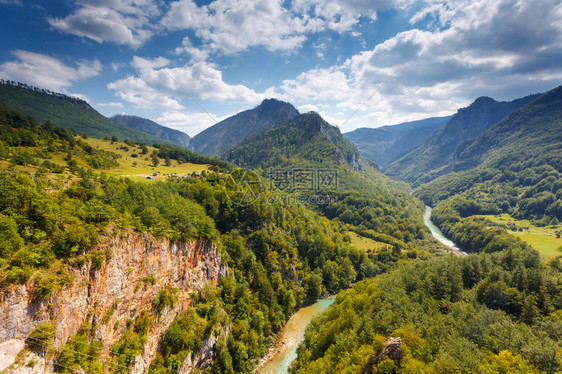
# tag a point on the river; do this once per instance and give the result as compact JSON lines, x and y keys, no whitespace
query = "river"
{"x":437,"y":234}
{"x":291,"y":336}
{"x":285,"y":350}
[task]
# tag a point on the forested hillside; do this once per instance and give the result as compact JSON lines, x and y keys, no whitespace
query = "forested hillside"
{"x":366,"y":201}
{"x":519,"y":160}
{"x":435,"y":157}
{"x":486,"y":313}
{"x":497,"y":310}
{"x":280,"y":253}
{"x":67,"y":112}
{"x":304,"y":139}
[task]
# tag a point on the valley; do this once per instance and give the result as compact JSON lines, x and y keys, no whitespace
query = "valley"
{"x":221,"y":264}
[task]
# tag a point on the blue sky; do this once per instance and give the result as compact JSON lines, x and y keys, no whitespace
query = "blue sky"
{"x":361,"y":63}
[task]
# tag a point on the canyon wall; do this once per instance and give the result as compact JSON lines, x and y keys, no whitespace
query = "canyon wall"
{"x":137,"y":268}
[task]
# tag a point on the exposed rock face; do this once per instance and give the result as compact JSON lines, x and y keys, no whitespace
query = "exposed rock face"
{"x":120,"y":285}
{"x":392,"y":350}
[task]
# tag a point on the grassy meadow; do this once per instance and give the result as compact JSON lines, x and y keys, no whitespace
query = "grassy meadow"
{"x":361,"y":242}
{"x":543,"y":239}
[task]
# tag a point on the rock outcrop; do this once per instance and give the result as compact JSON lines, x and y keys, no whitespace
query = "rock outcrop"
{"x":137,"y":268}
{"x":392,"y":350}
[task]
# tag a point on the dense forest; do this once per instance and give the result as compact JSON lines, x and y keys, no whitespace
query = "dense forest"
{"x":281,"y":253}
{"x":497,"y":310}
{"x":487,"y":313}
{"x":68,"y":112}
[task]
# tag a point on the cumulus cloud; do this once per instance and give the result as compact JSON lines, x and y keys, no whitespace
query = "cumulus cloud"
{"x":111,"y":104}
{"x":124,"y":22}
{"x":504,"y":49}
{"x":165,"y":87}
{"x":187,"y":48}
{"x":190,"y":123}
{"x":231,"y":26}
{"x":342,"y":15}
{"x":315,"y":85}
{"x":46,"y":71}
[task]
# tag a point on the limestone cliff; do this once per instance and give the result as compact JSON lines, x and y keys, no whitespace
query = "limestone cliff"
{"x":137,"y":268}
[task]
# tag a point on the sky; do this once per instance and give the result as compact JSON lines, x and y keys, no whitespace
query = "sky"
{"x":187,"y":64}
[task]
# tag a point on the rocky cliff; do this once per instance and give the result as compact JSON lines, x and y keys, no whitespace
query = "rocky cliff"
{"x":137,"y":268}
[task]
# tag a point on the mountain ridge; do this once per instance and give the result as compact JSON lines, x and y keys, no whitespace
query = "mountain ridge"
{"x":231,"y":131}
{"x":304,"y":138}
{"x":68,"y":112}
{"x":432,"y":158}
{"x":152,"y":128}
{"x":385,"y":144}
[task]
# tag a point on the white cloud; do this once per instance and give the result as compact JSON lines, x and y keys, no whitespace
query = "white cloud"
{"x":315,"y":85}
{"x":46,"y":71}
{"x":231,"y":26}
{"x":124,"y":22}
{"x":111,"y":104}
{"x":190,"y":123}
{"x":187,"y":48}
{"x":500,"y":48}
{"x":141,"y":95}
{"x":163,"y":87}
{"x":11,"y":2}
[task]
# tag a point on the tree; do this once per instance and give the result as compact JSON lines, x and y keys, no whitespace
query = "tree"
{"x":10,"y":239}
{"x":155,"y":159}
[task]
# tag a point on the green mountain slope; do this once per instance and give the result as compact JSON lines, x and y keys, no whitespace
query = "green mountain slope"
{"x":67,"y":112}
{"x":279,"y":254}
{"x":533,"y":132}
{"x":370,"y":204}
{"x":384,"y":144}
{"x":152,"y":128}
{"x":306,"y":138}
{"x":434,"y":157}
{"x":233,"y":130}
{"x":513,"y":168}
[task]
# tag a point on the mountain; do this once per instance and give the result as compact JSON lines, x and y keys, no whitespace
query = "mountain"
{"x":152,"y":128}
{"x":233,"y":130}
{"x":104,"y":271}
{"x":384,"y":144}
{"x":304,"y":139}
{"x":433,"y":158}
{"x":529,"y":134}
{"x":67,"y":112}
{"x":513,"y":167}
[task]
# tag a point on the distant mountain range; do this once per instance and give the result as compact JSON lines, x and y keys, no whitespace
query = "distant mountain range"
{"x":233,"y":130}
{"x":435,"y":157}
{"x":528,"y":135}
{"x":151,"y":127}
{"x":384,"y":144}
{"x":67,"y":112}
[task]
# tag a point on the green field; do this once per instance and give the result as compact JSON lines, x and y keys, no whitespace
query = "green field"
{"x":360,"y":242}
{"x":143,"y":165}
{"x":129,"y":166}
{"x":543,"y":239}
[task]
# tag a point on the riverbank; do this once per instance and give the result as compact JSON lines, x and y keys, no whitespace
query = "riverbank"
{"x":284,"y":350}
{"x":437,"y":234}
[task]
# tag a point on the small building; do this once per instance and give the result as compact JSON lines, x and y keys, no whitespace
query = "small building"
{"x":155,"y":173}
{"x":511,"y":224}
{"x":196,"y":174}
